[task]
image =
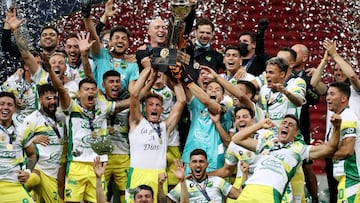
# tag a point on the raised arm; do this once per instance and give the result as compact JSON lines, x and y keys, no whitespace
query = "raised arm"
{"x":330,"y":46}
{"x":14,"y":23}
{"x":329,"y":148}
{"x":232,"y":89}
{"x":109,"y":12}
{"x":180,"y":174}
{"x":226,"y":171}
{"x":175,"y":114}
{"x":224,"y":135}
{"x":99,"y":171}
{"x":212,"y":105}
{"x":260,"y":35}
{"x":243,"y":137}
{"x":6,"y":43}
{"x":296,"y":99}
{"x":316,"y":77}
{"x":89,"y":26}
{"x":84,"y":46}
{"x":135,"y":114}
{"x":65,"y":99}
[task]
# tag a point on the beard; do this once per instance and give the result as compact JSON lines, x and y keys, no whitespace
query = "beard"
{"x":117,"y":53}
{"x":49,"y":111}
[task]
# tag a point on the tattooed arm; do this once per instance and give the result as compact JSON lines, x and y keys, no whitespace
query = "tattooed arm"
{"x":31,"y":157}
{"x":14,"y":24}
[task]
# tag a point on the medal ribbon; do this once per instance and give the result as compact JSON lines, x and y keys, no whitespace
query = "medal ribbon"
{"x":11,"y":135}
{"x":157,"y":129}
{"x":53,"y":125}
{"x":203,"y":190}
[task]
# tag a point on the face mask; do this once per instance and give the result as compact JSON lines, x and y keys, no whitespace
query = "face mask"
{"x":243,"y":49}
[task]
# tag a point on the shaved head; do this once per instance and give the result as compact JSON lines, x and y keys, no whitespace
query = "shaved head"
{"x":158,"y":32}
{"x":302,"y":56}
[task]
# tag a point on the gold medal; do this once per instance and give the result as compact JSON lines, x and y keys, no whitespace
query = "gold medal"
{"x":9,"y":147}
{"x":2,"y":138}
{"x":93,"y":134}
{"x":196,"y":66}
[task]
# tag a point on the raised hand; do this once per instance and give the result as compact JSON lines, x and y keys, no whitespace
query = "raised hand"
{"x":180,"y":170}
{"x":330,"y":46}
{"x":109,"y":11}
{"x":12,"y":20}
{"x":83,"y":41}
{"x":210,"y":70}
{"x":146,"y":62}
{"x":98,"y":169}
{"x":162,"y":178}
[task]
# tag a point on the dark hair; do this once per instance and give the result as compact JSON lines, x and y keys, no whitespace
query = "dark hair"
{"x":71,"y":35}
{"x":214,"y":81}
{"x":120,"y":29}
{"x":279,"y":62}
{"x":292,"y":52}
{"x":204,"y":21}
{"x":42,"y":89}
{"x":198,"y":152}
{"x":87,"y":80}
{"x":251,"y":34}
{"x":250,"y":88}
{"x":49,"y":27}
{"x":292,"y":116}
{"x":238,"y":108}
{"x":342,"y":87}
{"x":8,"y":94}
{"x":153,"y":95}
{"x":143,"y":187}
{"x":232,"y":48}
{"x":110,"y":73}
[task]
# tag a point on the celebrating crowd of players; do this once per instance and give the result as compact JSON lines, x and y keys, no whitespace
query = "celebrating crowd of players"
{"x":95,"y":124}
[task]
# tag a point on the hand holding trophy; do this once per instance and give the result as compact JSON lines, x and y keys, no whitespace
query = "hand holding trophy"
{"x":163,"y":57}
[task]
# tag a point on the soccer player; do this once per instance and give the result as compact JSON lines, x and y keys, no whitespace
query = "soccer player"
{"x":48,"y":128}
{"x":12,"y":146}
{"x":280,"y":157}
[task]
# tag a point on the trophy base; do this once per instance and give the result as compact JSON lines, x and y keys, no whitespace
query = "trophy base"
{"x":162,"y":58}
